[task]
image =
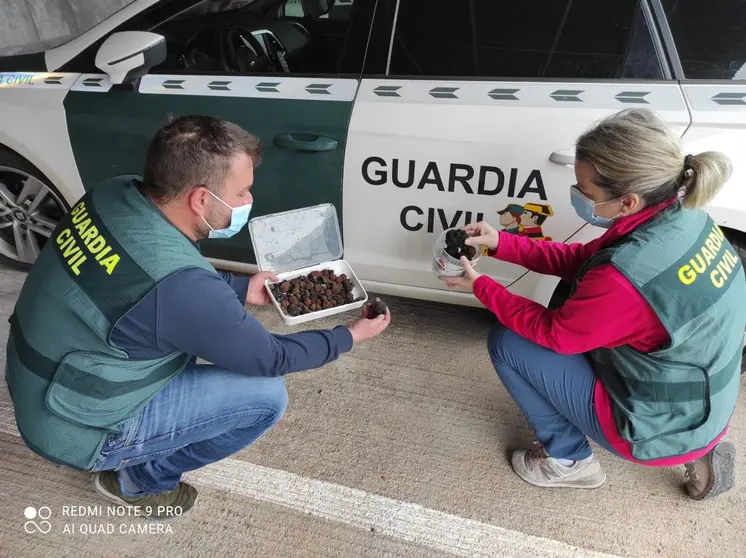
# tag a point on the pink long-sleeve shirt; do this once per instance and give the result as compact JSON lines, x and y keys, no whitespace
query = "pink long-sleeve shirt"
{"x":606,"y":310}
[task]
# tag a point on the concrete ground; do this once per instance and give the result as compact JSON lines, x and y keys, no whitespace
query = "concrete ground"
{"x":397,"y":449}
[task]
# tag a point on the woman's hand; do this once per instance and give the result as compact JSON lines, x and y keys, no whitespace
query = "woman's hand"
{"x":482,"y":233}
{"x":257,"y":294}
{"x":466,"y":282}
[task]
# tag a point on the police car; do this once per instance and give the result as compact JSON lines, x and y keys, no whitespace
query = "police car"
{"x":409,"y":116}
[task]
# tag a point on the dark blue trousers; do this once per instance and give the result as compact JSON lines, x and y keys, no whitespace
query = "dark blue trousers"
{"x":553,"y":391}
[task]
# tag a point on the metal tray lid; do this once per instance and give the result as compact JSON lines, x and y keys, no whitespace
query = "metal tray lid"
{"x":296,"y":239}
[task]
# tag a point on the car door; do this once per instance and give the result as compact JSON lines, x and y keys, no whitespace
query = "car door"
{"x":473,"y":115}
{"x":216,"y":65}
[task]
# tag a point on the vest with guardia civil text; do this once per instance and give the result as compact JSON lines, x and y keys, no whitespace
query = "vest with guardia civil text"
{"x":680,"y":397}
{"x":71,"y":386}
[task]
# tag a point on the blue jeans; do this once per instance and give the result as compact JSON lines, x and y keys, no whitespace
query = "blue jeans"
{"x":553,"y":391}
{"x":203,"y":415}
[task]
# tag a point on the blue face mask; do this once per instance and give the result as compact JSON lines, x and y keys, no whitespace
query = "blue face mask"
{"x":239,"y":218}
{"x":586,"y":209}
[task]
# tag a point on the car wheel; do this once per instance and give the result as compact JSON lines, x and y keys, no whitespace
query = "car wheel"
{"x":561,"y":292}
{"x":738,"y":240}
{"x":30,"y":208}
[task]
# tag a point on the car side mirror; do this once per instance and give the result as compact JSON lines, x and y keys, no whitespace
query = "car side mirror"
{"x":128,"y":55}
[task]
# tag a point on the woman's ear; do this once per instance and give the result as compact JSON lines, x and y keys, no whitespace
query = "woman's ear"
{"x":631,"y":203}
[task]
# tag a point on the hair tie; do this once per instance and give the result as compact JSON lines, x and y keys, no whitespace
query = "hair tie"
{"x":688,"y":162}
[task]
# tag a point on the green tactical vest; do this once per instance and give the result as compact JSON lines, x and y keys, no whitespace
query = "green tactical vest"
{"x":71,"y":386}
{"x":680,"y":397}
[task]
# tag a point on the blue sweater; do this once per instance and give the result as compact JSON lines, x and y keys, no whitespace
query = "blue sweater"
{"x":203,"y":314}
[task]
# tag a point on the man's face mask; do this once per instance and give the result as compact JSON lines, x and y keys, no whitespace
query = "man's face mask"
{"x":586,"y":209}
{"x":239,"y":218}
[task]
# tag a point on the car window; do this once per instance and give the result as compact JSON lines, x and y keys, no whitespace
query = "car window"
{"x":35,"y":47}
{"x":58,"y":27}
{"x":710,"y":37}
{"x":530,"y":39}
{"x":245,"y":37}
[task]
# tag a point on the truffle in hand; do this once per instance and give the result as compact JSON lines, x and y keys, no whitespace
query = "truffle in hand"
{"x":456,"y":246}
{"x":376,"y":309}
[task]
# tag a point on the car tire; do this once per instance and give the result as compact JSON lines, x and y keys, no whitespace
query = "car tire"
{"x":738,"y":240}
{"x":561,"y":292}
{"x":30,"y":207}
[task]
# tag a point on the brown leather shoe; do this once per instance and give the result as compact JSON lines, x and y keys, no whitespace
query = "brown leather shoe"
{"x":166,"y":505}
{"x":713,"y":473}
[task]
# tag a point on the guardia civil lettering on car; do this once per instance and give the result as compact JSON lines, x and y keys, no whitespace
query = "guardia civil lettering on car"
{"x":484,"y":181}
{"x":408,"y":117}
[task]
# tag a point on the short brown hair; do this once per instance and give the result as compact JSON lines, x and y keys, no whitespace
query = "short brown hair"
{"x":194,"y":150}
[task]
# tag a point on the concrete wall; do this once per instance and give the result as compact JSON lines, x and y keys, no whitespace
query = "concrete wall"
{"x":25,"y":21}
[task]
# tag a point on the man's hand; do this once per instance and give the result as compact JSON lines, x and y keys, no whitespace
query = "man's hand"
{"x":482,"y":233}
{"x":257,"y":294}
{"x":463,"y":282}
{"x":367,"y":328}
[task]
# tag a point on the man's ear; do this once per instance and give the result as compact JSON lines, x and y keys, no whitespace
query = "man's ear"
{"x":197,"y":200}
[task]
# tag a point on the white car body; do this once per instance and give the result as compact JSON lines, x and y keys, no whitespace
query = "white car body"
{"x":514,"y":125}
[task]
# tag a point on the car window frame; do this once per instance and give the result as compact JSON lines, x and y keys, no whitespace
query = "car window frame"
{"x":675,"y":60}
{"x":373,"y":68}
{"x":666,"y":35}
{"x":77,"y":63}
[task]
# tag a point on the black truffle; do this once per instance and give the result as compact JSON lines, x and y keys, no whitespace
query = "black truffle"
{"x":319,"y":290}
{"x":376,"y":309}
{"x":469,"y":252}
{"x":456,"y":244}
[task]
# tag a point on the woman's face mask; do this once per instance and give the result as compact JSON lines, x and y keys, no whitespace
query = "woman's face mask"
{"x":586,"y":208}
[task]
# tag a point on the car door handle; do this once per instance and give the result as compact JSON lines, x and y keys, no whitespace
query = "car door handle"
{"x":305,"y":142}
{"x":563,"y":158}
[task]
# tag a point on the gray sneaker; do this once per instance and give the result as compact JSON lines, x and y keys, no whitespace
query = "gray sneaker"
{"x":712,"y":474}
{"x":537,"y":468}
{"x":166,"y":505}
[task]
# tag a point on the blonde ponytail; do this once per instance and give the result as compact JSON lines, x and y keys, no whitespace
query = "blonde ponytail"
{"x":634,"y":151}
{"x":709,"y":171}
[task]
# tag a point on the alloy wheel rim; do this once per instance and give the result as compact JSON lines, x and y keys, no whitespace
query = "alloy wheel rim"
{"x":29,"y":213}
